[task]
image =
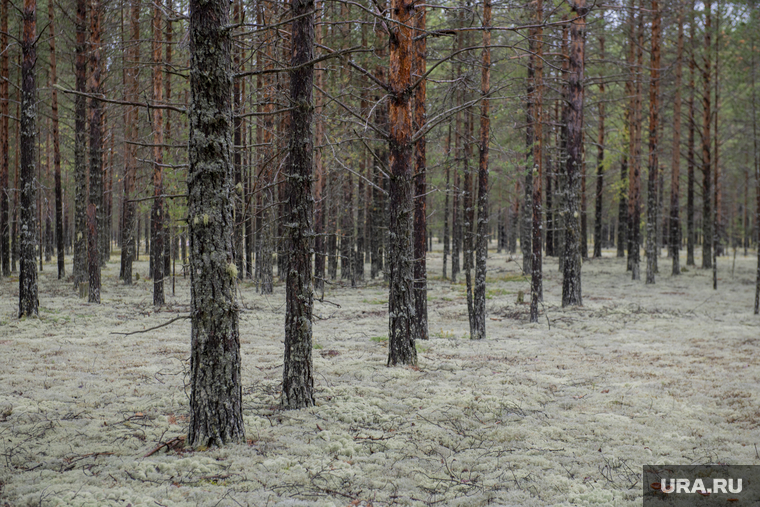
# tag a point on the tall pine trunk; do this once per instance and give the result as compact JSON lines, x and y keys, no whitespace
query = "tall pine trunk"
{"x":297,"y":377}
{"x":536,"y":270}
{"x":28,"y":301}
{"x":756,"y":153}
{"x":95,"y":204}
{"x":157,"y":233}
{"x":216,"y":407}
{"x":707,"y":211}
{"x":420,"y":184}
{"x":653,"y":169}
{"x":599,"y":194}
{"x":320,"y":180}
{"x":401,"y":348}
{"x":130,"y":229}
{"x":80,"y":148}
{"x":56,"y":145}
{"x":634,"y":179}
{"x":691,"y":152}
{"x":527,"y":204}
{"x":571,"y":281}
{"x":674,"y":235}
{"x":5,"y":217}
{"x":481,"y":238}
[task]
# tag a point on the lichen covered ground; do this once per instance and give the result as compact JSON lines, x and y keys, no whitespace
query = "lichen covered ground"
{"x":563,"y":412}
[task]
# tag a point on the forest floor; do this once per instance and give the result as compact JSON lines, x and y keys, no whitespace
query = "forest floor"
{"x":563,"y":412}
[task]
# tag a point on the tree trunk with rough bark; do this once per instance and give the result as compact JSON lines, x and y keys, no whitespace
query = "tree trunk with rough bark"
{"x":80,"y":148}
{"x":634,"y":179}
{"x":707,"y":193}
{"x":571,"y":280}
{"x":527,"y":204}
{"x":756,"y":153}
{"x":536,"y":270}
{"x":599,"y":194}
{"x":5,"y":217}
{"x":95,"y":204}
{"x":216,"y":407}
{"x":320,"y":180}
{"x":481,"y":238}
{"x":237,"y":149}
{"x":28,"y":301}
{"x":129,"y":245}
{"x":297,"y":376}
{"x":653,"y":169}
{"x":157,"y":233}
{"x":56,"y":145}
{"x":401,"y":348}
{"x":420,"y":183}
{"x":674,"y":234}
{"x":691,"y":153}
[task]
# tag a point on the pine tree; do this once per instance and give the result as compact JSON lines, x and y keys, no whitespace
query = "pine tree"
{"x":28,"y":301}
{"x":216,"y":409}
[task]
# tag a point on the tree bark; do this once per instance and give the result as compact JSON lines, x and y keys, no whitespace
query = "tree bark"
{"x":707,"y":193}
{"x":756,"y":153}
{"x":536,"y":283}
{"x":56,"y":145}
{"x":297,"y":378}
{"x":80,"y":147}
{"x":598,"y":198}
{"x":527,"y":204}
{"x":157,"y":239}
{"x":28,"y":301}
{"x":571,"y":281}
{"x":216,"y":410}
{"x":5,"y":217}
{"x":237,"y":150}
{"x":95,"y":204}
{"x":129,"y":245}
{"x":690,"y":157}
{"x":716,"y":226}
{"x":634,"y":179}
{"x":481,"y":238}
{"x":674,"y":234}
{"x":653,"y":169}
{"x":320,"y":180}
{"x":420,"y":184}
{"x":401,"y":347}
